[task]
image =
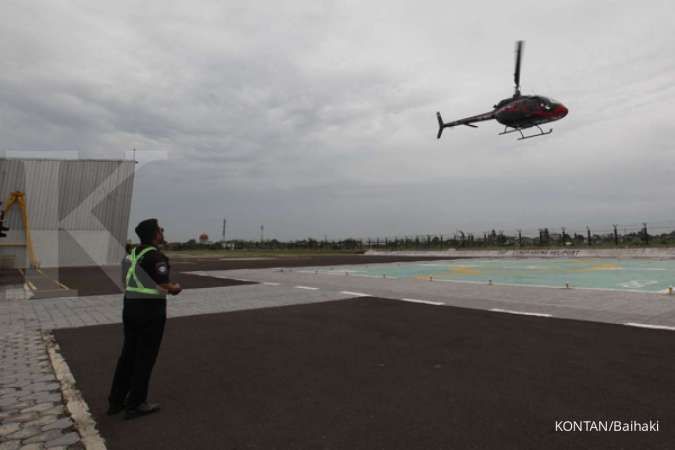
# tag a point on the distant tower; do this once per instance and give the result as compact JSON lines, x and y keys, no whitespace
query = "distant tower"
{"x":224,"y":227}
{"x":262,"y":233}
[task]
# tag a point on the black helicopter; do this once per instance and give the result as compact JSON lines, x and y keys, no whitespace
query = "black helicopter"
{"x":518,"y":112}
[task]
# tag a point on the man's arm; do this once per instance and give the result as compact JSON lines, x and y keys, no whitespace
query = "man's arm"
{"x":162,"y":277}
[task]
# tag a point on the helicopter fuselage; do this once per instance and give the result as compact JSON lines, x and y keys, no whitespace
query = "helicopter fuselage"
{"x":528,"y":111}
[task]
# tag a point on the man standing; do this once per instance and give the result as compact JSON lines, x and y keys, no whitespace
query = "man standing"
{"x":146,"y":279}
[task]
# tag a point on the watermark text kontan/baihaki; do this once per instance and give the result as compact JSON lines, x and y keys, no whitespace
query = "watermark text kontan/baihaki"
{"x":607,"y":426}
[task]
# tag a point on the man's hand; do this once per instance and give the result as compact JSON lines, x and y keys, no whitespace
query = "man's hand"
{"x":172,"y":288}
{"x":175,"y":289}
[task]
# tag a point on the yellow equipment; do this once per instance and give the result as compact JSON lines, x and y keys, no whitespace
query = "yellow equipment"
{"x":20,"y":199}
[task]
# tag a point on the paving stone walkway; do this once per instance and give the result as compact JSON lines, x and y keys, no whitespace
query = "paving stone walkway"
{"x":32,"y":413}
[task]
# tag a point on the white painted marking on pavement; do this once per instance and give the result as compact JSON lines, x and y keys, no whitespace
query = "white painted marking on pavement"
{"x":524,"y":313}
{"x":355,"y":294}
{"x":309,"y":288}
{"x":388,"y":277}
{"x":270,"y":283}
{"x":646,"y":325}
{"x":426,"y":302}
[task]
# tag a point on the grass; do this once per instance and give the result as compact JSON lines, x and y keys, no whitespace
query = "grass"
{"x":281,"y":253}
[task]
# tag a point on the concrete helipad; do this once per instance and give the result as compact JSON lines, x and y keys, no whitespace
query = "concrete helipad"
{"x":618,"y":274}
{"x":622,"y":307}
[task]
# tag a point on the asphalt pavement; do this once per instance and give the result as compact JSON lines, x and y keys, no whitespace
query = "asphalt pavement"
{"x":371,"y":373}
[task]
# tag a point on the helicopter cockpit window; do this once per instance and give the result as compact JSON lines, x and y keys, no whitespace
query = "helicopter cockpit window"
{"x":545,"y":103}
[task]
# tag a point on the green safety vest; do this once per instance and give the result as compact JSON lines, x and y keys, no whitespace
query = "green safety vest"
{"x":131,"y":274}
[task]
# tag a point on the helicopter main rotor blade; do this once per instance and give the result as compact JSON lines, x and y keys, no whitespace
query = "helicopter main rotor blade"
{"x":516,"y":74}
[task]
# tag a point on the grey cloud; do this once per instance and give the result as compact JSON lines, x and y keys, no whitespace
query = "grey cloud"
{"x":318,"y":117}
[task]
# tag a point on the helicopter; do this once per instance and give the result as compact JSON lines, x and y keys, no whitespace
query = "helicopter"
{"x":517,"y":113}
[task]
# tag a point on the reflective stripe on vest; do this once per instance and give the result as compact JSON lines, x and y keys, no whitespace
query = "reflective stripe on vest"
{"x":131,"y":273}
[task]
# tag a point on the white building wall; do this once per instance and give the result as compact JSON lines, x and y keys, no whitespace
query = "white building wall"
{"x":78,"y":210}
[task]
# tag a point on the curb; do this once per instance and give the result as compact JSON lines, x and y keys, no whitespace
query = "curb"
{"x":77,"y":407}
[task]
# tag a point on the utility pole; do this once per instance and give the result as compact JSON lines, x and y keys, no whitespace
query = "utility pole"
{"x":224,"y":228}
{"x":616,"y":236}
{"x":520,"y":238}
{"x":262,"y":233}
{"x":588,"y":233}
{"x":644,"y":229}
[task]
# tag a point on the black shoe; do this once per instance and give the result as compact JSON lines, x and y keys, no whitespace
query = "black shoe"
{"x":141,"y":410}
{"x":114,"y":408}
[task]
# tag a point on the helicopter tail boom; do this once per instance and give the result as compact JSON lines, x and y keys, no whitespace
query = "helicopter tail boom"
{"x":468,"y":121}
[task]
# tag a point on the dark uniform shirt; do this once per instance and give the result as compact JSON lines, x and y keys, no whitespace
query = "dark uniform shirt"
{"x":152,"y":270}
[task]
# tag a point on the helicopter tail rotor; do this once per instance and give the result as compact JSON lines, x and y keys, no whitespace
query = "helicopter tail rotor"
{"x":516,"y":73}
{"x":440,"y":125}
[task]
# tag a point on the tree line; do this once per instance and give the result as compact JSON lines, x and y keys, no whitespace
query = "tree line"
{"x":543,"y":238}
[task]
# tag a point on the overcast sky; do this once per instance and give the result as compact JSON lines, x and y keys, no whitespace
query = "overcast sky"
{"x":317,"y":118}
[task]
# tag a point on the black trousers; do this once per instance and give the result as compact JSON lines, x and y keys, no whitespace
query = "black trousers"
{"x":143,"y":329}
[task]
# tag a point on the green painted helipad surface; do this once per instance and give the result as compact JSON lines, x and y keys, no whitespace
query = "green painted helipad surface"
{"x":619,"y":274}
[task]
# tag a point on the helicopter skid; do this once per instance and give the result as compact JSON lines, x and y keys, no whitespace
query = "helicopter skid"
{"x":522,"y":136}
